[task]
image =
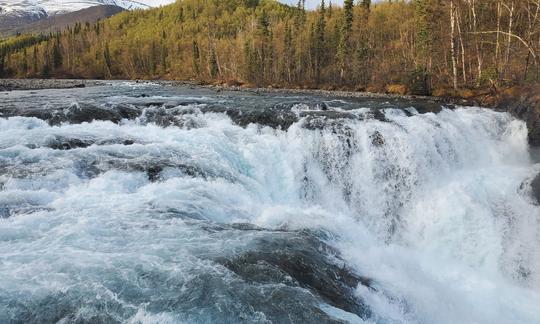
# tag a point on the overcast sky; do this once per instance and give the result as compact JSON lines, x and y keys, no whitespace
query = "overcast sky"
{"x":309,"y":3}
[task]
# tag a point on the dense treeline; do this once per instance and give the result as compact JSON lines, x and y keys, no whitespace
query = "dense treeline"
{"x":413,"y":46}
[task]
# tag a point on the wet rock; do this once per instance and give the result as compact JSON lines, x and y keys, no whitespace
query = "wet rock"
{"x":38,"y":84}
{"x":379,"y":115}
{"x":535,"y":186}
{"x":64,"y":143}
{"x":75,"y":114}
{"x":154,"y":104}
{"x":126,"y":142}
{"x":271,"y":117}
{"x":154,"y":172}
{"x":325,"y":119}
{"x":377,"y":139}
{"x":524,"y":103}
{"x":10,"y":211}
{"x":301,"y":259}
{"x":161,"y":117}
{"x":127,"y":111}
{"x":81,"y":113}
{"x":36,"y":113}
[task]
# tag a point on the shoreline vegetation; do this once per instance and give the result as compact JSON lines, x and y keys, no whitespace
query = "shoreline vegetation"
{"x":484,"y":98}
{"x":455,"y":48}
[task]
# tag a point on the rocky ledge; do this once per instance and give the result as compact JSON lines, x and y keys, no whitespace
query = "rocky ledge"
{"x":39,"y":84}
{"x":535,"y":188}
{"x":523,"y":103}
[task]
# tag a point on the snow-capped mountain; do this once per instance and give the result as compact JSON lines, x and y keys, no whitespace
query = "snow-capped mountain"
{"x":41,"y":8}
{"x":23,"y":8}
{"x":16,"y":15}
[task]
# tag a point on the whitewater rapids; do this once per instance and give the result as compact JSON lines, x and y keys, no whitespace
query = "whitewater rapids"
{"x":187,"y":206}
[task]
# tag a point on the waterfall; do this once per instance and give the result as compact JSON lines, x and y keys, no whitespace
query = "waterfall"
{"x":130,"y":220}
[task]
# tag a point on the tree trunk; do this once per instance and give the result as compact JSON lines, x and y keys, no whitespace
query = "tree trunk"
{"x":497,"y":44}
{"x":472,"y":6}
{"x":453,"y":44}
{"x":460,"y":35}
{"x":509,"y":39}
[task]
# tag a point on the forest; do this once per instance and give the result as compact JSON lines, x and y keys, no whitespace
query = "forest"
{"x":417,"y":47}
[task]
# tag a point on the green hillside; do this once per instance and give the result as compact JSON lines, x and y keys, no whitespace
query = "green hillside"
{"x":395,"y":45}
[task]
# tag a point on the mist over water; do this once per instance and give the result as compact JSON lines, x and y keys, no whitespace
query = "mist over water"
{"x":187,"y":206}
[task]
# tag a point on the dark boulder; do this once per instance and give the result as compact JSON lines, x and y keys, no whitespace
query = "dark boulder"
{"x":65,"y":143}
{"x":81,"y":113}
{"x":302,"y":259}
{"x":271,"y":117}
{"x":524,"y":103}
{"x":535,"y":189}
{"x":377,"y":139}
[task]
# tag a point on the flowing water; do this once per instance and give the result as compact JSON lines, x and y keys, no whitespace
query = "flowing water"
{"x":180,"y":205}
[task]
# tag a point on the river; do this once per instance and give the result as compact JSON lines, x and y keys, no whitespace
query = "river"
{"x":142,"y":203}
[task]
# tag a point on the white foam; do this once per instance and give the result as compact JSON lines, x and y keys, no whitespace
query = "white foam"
{"x":433,"y":214}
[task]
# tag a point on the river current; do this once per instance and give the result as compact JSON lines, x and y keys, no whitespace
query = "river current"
{"x":141,"y":203}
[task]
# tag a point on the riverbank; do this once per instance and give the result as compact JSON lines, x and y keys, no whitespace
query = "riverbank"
{"x":521,"y":102}
{"x":42,"y":84}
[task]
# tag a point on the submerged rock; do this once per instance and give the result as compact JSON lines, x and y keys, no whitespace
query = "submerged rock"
{"x":301,"y":259}
{"x":377,"y":139}
{"x":275,"y":117}
{"x":65,"y":143}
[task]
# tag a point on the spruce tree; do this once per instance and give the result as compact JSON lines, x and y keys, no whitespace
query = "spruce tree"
{"x":107,"y":59}
{"x":196,"y":58}
{"x":343,"y":50}
{"x":46,"y":68}
{"x":24,"y":62}
{"x":213,"y":63}
{"x":35,"y":60}
{"x":56,"y":53}
{"x":319,"y":42}
{"x":2,"y":65}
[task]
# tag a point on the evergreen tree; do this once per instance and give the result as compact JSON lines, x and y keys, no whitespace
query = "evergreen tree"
{"x":163,"y":58}
{"x":425,"y":14}
{"x":24,"y":62}
{"x":107,"y":59}
{"x":2,"y":65}
{"x":153,"y":59}
{"x":319,"y":43}
{"x":250,"y":64}
{"x":289,"y":53}
{"x":45,"y":68}
{"x":196,"y":57}
{"x":56,"y":53}
{"x":213,"y":66}
{"x":343,"y":50}
{"x":264,"y":47}
{"x":35,"y":60}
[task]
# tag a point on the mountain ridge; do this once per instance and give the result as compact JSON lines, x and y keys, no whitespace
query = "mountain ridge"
{"x":15,"y":17}
{"x":59,"y":22}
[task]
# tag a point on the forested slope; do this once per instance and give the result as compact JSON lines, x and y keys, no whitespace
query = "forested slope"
{"x":399,"y":46}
